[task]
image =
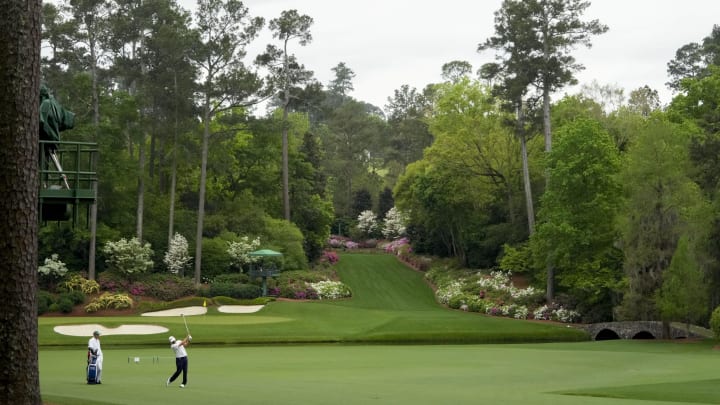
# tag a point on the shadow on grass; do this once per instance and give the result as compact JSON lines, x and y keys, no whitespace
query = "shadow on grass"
{"x":697,"y":391}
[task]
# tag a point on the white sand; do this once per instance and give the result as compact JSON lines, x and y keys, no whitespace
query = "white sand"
{"x":198,"y":310}
{"x":239,"y":309}
{"x":88,"y":329}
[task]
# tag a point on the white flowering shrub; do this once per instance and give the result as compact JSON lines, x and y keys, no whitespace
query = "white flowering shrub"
{"x":565,"y":315}
{"x":238,"y":251}
{"x":128,"y":256}
{"x":445,"y":293}
{"x":177,"y":258}
{"x":394,"y":224}
{"x":53,"y":267}
{"x":367,"y":222}
{"x":328,"y":290}
{"x":556,"y":314}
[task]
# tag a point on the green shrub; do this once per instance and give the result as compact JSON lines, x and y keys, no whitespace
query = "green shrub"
{"x":457,"y":301}
{"x":80,"y":283}
{"x":234,"y":301}
{"x":235,"y":290}
{"x":148,"y":306}
{"x":76,"y":297}
{"x":232,"y":278}
{"x":476,"y":305}
{"x":285,"y":237}
{"x":112,"y":281}
{"x":224,"y":289}
{"x":65,"y":305}
{"x":215,"y":259}
{"x":109,"y":301}
{"x":45,"y":299}
{"x":715,"y":322}
{"x":247,"y":291}
{"x":168,"y":287}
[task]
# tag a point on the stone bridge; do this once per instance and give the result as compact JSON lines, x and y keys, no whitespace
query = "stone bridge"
{"x":637,"y":330}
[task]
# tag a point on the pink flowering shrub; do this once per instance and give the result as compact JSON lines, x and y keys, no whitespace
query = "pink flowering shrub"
{"x":330,"y":257}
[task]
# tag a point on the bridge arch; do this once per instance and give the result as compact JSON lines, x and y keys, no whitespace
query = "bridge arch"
{"x":607,"y":334}
{"x":643,"y":335}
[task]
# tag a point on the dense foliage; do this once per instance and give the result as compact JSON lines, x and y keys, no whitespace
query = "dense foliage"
{"x":458,"y":169}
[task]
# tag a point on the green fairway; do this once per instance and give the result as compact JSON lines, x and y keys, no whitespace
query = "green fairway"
{"x":416,"y":374}
{"x":266,"y":358}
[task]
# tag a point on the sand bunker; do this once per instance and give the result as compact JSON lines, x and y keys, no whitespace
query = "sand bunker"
{"x":228,"y":309}
{"x":88,"y":329}
{"x":239,"y":309}
{"x":178,"y":311}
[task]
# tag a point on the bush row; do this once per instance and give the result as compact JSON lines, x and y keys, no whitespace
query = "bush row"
{"x":64,"y":302}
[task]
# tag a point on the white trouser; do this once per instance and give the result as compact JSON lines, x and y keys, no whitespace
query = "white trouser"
{"x":98,"y":363}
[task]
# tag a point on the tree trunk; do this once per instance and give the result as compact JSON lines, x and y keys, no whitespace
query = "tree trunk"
{"x":285,"y":166}
{"x":526,"y":170}
{"x":173,"y":169}
{"x":201,"y":198}
{"x":94,"y":163}
{"x":19,"y":182}
{"x":141,"y":189}
{"x":550,"y":293}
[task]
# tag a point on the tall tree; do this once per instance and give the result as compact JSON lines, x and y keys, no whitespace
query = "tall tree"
{"x":661,"y":204}
{"x":644,"y":100}
{"x":692,"y":60}
{"x":286,"y":73}
{"x":352,"y":144}
{"x":545,"y":31}
{"x":407,"y":112}
{"x":576,"y":231}
{"x":683,"y":296}
{"x":342,"y":84}
{"x":224,"y":28}
{"x":19,"y":143}
{"x":456,"y":70}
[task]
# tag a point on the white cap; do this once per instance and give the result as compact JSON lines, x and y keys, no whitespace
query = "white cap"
{"x":172,"y":339}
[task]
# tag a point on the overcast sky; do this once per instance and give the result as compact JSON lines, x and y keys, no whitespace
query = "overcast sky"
{"x":389,"y":43}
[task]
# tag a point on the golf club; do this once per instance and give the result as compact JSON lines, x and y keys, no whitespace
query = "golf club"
{"x":186,"y":327}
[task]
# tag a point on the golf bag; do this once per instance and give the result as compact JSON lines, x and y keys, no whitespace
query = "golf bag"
{"x":92,"y":371}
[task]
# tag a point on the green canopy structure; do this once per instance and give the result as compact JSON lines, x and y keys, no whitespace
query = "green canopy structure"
{"x":264,"y":270}
{"x":265,"y":252}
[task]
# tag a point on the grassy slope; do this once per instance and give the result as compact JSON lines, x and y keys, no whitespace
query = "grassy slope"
{"x":390,"y":303}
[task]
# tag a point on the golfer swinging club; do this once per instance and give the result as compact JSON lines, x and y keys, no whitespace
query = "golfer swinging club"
{"x":181,"y":360}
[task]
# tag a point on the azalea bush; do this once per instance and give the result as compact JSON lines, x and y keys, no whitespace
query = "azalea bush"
{"x":330,"y":257}
{"x":314,"y":284}
{"x":329,"y":290}
{"x":396,"y":245}
{"x":493,"y":293}
{"x":79,"y":283}
{"x":109,"y":301}
{"x":556,"y":312}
